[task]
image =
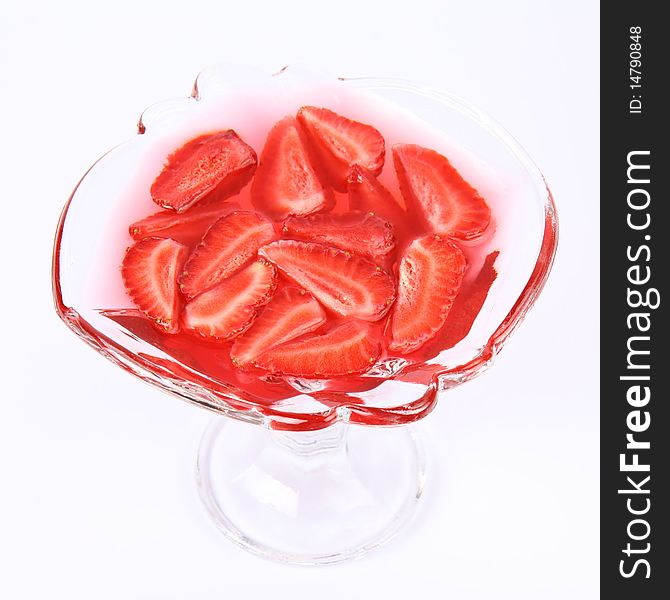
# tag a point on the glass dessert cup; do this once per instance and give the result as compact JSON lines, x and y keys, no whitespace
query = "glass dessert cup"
{"x":324,"y":473}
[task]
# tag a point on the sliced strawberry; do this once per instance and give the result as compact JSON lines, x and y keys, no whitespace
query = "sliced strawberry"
{"x":229,"y":244}
{"x":347,"y":349}
{"x":348,"y":284}
{"x":286,"y":184}
{"x":227,"y":309}
{"x":449,"y":204}
{"x":292,"y":312}
{"x":367,"y":194}
{"x":358,"y":232}
{"x":215,"y":165}
{"x":187,"y":228}
{"x":150,"y":269}
{"x":429,"y":278}
{"x":339,"y":142}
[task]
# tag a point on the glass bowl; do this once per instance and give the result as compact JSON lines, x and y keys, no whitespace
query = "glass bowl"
{"x":310,"y":422}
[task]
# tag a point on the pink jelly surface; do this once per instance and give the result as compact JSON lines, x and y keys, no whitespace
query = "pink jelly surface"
{"x":208,"y":363}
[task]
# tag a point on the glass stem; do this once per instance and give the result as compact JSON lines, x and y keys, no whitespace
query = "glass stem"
{"x":322,"y":444}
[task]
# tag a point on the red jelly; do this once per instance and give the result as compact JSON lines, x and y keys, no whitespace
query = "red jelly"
{"x":308,"y":265}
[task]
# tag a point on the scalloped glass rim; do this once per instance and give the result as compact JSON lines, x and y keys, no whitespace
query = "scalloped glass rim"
{"x":197,"y":389}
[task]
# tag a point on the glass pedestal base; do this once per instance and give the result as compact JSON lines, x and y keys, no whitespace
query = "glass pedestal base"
{"x":309,"y":498}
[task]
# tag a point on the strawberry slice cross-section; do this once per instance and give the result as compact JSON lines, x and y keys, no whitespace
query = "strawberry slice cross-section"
{"x":150,"y":269}
{"x":348,"y":284}
{"x":229,"y":244}
{"x":286,"y":183}
{"x":367,"y":194}
{"x":292,"y":312}
{"x":429,"y":183}
{"x":228,"y":309}
{"x":186,"y":228}
{"x":216,"y":166}
{"x":348,"y":349}
{"x":429,"y":278}
{"x":339,"y":142}
{"x":358,"y":232}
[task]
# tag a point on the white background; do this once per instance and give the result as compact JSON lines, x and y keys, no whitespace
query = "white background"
{"x":97,"y":498}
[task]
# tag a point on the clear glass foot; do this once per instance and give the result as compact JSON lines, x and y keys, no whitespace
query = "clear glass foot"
{"x":312,"y":497}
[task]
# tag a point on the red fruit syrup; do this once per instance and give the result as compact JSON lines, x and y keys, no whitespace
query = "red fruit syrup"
{"x":310,"y":243}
